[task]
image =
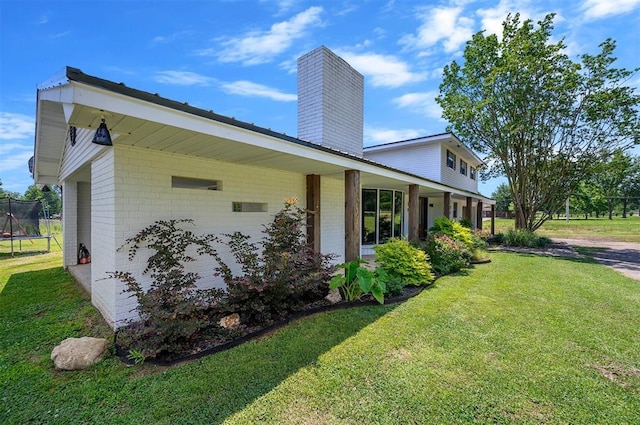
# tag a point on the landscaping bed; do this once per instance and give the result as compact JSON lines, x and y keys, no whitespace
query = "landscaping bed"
{"x":247,"y":332}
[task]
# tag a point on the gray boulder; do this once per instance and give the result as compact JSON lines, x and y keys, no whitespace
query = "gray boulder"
{"x":79,"y":353}
{"x":334,"y":296}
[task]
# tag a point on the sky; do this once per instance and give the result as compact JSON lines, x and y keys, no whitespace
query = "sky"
{"x":238,"y":57}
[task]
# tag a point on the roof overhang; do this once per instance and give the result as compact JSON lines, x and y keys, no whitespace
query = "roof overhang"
{"x":147,"y":121}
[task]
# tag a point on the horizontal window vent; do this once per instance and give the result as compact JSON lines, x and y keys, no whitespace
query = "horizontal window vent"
{"x":249,"y":207}
{"x":199,"y":184}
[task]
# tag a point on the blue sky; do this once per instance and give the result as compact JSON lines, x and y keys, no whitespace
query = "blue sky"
{"x":238,"y":57}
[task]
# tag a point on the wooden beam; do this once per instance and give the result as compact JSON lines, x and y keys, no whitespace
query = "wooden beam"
{"x":479,"y":215}
{"x":467,"y":215}
{"x":446,"y":209}
{"x":493,"y":219}
{"x":414,"y":212}
{"x":351,"y":215}
{"x":313,"y":212}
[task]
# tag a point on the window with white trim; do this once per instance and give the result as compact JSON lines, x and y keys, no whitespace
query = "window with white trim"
{"x":472,"y":173}
{"x":451,"y":160}
{"x":463,"y":167}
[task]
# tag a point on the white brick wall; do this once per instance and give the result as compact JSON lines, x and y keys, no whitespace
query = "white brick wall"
{"x":69,"y":222}
{"x":140,"y":193}
{"x":332,"y":218}
{"x":103,"y":220}
{"x":330,"y":101}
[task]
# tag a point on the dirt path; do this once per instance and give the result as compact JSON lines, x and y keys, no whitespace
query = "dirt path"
{"x":621,"y":256}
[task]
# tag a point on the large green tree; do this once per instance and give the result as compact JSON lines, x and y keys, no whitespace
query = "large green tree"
{"x":502,"y":196}
{"x":52,"y":197}
{"x":7,"y":194}
{"x":630,"y":187}
{"x":541,"y":119}
{"x":609,"y":177}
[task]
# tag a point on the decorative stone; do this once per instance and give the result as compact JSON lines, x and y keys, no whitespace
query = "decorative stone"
{"x":79,"y":353}
{"x":231,"y":321}
{"x":334,"y":296}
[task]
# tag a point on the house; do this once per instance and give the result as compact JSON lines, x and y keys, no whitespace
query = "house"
{"x":171,"y":160}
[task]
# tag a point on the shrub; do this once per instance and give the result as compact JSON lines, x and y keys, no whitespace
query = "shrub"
{"x":446,"y":254}
{"x":173,"y":312}
{"x":394,"y":286}
{"x":453,"y":229}
{"x":280,"y":275}
{"x":358,"y":281}
{"x":524,"y":238}
{"x":400,"y":259}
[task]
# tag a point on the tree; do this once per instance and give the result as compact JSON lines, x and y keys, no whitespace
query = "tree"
{"x":502,"y":195}
{"x":630,"y":188}
{"x":609,"y":177}
{"x":541,"y":119}
{"x":51,"y":197}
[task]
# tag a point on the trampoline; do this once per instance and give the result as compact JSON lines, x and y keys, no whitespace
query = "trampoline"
{"x":20,"y":221}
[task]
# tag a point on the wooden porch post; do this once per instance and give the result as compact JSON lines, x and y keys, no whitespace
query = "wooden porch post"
{"x":313,"y":212}
{"x":467,"y":215}
{"x":446,"y":210}
{"x":479,"y":215}
{"x":493,"y":219}
{"x":351,"y":215}
{"x":414,"y":209}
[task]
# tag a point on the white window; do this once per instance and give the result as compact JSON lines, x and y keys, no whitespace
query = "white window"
{"x":451,"y":159}
{"x":463,"y":168}
{"x":472,"y":173}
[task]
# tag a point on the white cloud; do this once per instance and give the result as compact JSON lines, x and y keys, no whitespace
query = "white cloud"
{"x":16,"y":126}
{"x":183,"y":78}
{"x":383,"y":70}
{"x":491,"y":19}
{"x":423,"y":103}
{"x":376,"y":136}
{"x":247,"y":88}
{"x":597,"y":9}
{"x":171,"y":37}
{"x":259,"y":47}
{"x":440,"y":25}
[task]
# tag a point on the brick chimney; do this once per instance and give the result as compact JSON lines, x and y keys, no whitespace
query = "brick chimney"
{"x":330,"y":101}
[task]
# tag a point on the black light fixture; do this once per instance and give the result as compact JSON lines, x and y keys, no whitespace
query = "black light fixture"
{"x":102,"y":136}
{"x":46,"y":188}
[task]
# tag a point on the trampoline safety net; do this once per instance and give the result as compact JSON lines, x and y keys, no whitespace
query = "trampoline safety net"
{"x":19,"y":218}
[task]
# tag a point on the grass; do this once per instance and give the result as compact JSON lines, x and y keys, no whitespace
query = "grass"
{"x":620,"y":229}
{"x":499,"y":344}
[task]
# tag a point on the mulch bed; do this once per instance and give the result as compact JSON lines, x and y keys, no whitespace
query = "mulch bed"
{"x":208,"y":347}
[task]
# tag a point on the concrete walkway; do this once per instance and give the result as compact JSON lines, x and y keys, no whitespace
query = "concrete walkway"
{"x":621,"y":256}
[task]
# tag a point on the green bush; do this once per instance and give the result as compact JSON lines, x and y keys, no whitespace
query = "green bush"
{"x":447,"y":255}
{"x":524,"y":238}
{"x":173,"y":312}
{"x":279,"y":276}
{"x":400,"y":259}
{"x":453,"y":229}
{"x":394,"y":286}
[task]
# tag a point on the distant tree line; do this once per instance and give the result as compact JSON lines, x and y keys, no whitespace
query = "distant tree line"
{"x":611,"y":188}
{"x":52,"y":198}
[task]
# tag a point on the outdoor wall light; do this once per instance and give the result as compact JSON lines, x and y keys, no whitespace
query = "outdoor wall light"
{"x":102,"y":136}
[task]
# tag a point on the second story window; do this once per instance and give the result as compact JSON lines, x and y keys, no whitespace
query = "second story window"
{"x":472,"y":173}
{"x":463,"y":168}
{"x":451,"y":160}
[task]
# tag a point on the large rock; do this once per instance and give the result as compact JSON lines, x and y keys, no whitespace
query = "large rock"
{"x":231,"y":321}
{"x":334,"y":296}
{"x":79,"y":353}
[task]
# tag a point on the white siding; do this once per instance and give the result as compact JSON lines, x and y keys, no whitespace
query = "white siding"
{"x":422,"y":160}
{"x":453,"y":177}
{"x":84,"y":214}
{"x":84,"y":151}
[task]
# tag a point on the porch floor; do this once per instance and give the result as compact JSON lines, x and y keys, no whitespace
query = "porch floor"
{"x":82,"y":274}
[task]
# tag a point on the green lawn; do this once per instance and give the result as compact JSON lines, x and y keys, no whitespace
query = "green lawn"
{"x":504,"y":343}
{"x":620,"y":229}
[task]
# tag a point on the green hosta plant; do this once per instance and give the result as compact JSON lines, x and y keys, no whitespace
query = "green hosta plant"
{"x":358,"y":281}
